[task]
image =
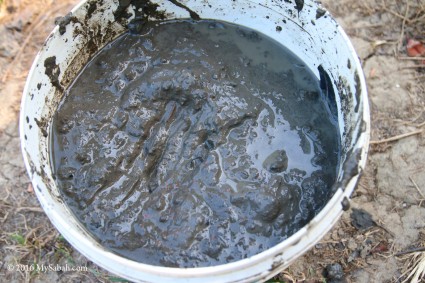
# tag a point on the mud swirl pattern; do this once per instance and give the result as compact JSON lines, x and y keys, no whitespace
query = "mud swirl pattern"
{"x":194,"y":144}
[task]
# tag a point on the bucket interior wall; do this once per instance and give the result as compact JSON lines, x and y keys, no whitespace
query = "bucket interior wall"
{"x":307,"y":30}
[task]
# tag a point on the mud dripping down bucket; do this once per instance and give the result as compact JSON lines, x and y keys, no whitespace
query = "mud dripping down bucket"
{"x":303,"y":27}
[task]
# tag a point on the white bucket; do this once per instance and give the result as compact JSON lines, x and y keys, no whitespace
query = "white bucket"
{"x":306,"y":30}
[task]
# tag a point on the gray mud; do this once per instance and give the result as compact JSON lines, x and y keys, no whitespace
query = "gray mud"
{"x":194,"y":144}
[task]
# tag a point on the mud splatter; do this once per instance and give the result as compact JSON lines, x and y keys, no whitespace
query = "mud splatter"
{"x":299,"y":5}
{"x":143,"y":9}
{"x":192,"y":14}
{"x":62,"y":22}
{"x":52,"y":70}
{"x":320,"y":12}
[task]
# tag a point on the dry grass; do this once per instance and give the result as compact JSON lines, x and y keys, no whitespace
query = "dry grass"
{"x":414,"y":267}
{"x":413,"y":262}
{"x":346,"y":245}
{"x":391,"y":23}
{"x":412,"y":12}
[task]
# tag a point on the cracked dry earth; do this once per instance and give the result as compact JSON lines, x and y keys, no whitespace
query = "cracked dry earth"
{"x":391,"y":191}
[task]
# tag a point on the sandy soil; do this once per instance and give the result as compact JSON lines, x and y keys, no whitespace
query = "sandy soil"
{"x":357,"y":249}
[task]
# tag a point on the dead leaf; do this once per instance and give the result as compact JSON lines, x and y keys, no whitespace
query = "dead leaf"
{"x":378,"y":43}
{"x":415,"y":48}
{"x":380,"y":248}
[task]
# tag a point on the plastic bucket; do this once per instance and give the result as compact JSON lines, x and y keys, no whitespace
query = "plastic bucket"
{"x":305,"y":28}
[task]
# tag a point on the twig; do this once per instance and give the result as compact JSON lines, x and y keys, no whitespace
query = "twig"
{"x":5,"y":217}
{"x":50,"y":236}
{"x":333,"y":242}
{"x":30,"y":209}
{"x":414,"y":250}
{"x":396,"y":138}
{"x":417,"y":187}
{"x":395,"y":14}
{"x":421,"y":201}
{"x":403,"y":25}
{"x":413,"y":67}
{"x":31,"y":232}
{"x":366,"y":26}
{"x":381,"y":226}
{"x":411,"y":122}
{"x":417,"y":118}
{"x":367,"y":234}
{"x":411,"y":58}
{"x":417,"y":19}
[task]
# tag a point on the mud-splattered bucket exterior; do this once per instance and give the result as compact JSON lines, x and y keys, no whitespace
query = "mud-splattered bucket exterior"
{"x":302,"y":26}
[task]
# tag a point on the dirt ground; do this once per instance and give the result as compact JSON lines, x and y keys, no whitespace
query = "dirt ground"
{"x":382,"y":242}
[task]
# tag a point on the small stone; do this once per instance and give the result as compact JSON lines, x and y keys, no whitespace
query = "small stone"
{"x":361,"y":219}
{"x":341,"y":233}
{"x":353,"y":256}
{"x":62,"y":22}
{"x":335,"y":236}
{"x":276,"y":162}
{"x":334,"y":273}
{"x":365,"y":251}
{"x":352,"y":245}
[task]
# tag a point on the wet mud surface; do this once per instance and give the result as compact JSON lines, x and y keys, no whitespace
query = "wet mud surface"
{"x":194,"y":144}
